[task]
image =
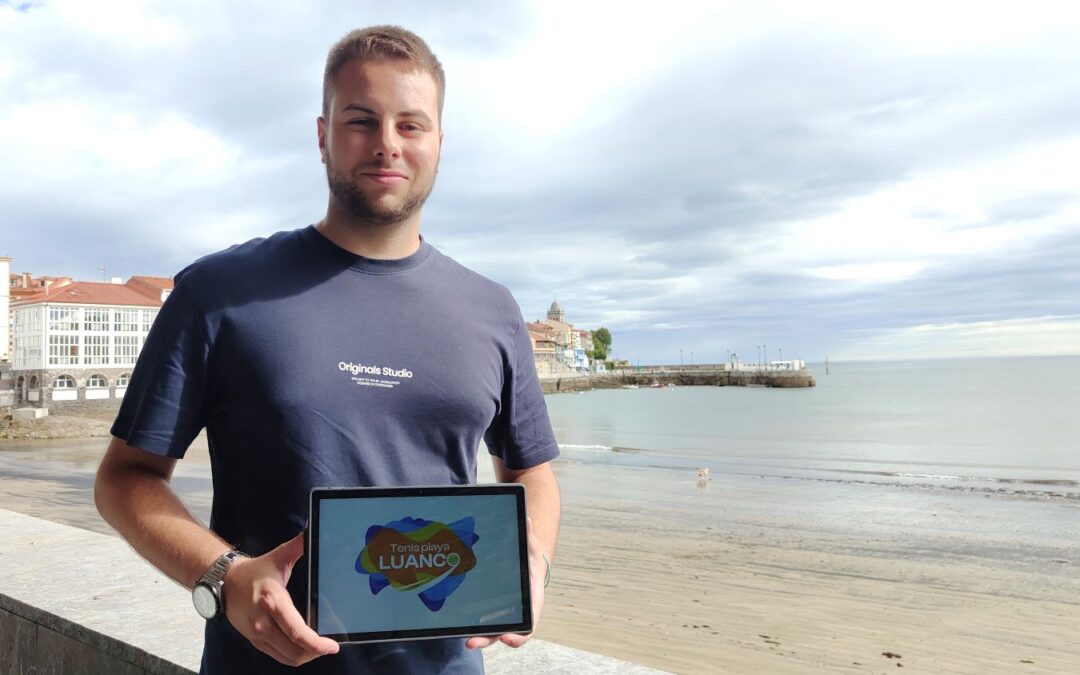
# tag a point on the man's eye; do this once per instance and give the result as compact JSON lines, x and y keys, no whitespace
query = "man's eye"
{"x":362,"y":123}
{"x":411,"y":127}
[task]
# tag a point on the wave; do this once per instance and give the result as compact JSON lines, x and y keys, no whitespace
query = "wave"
{"x":618,"y":449}
{"x":587,"y":448}
{"x":1016,"y":487}
{"x":1047,"y":482}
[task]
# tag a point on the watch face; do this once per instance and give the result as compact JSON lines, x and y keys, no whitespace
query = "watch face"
{"x":206,"y":603}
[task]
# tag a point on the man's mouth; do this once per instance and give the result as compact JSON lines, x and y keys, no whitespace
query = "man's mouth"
{"x":384,"y":177}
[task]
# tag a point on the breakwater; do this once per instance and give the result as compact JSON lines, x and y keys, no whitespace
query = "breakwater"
{"x":681,"y":376}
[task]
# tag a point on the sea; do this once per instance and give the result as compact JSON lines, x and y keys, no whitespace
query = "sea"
{"x":1001,"y":426}
{"x":939,"y":459}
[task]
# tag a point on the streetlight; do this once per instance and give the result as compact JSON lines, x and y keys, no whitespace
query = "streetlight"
{"x":691,"y":358}
{"x":680,"y":356}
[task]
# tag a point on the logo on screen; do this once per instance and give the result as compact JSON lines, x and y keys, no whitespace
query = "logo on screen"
{"x":417,"y":555}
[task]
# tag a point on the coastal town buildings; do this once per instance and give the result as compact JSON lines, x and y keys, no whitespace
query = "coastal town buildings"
{"x":76,"y":342}
{"x":558,"y":347}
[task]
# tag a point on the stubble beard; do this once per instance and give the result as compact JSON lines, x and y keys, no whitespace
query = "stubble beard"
{"x":364,"y":209}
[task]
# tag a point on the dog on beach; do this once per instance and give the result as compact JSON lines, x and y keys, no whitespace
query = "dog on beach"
{"x":703,"y":473}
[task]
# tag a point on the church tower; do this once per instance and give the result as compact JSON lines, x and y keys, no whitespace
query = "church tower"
{"x":555,"y":312}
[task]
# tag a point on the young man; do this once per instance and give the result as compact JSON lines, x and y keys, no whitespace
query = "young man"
{"x":265,"y":345}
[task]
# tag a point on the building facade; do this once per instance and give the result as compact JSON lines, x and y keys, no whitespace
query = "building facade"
{"x":76,"y":346}
{"x":570,"y":345}
{"x":5,"y":309}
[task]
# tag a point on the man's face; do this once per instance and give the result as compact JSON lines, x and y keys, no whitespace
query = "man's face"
{"x":382,"y":139}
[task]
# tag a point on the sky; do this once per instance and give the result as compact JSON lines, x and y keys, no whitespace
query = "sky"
{"x":838,"y":180}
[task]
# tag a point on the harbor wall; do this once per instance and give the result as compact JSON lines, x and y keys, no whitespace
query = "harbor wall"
{"x":682,"y":376}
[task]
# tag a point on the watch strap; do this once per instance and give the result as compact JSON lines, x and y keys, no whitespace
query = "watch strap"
{"x":214,"y":578}
{"x":221,"y":566}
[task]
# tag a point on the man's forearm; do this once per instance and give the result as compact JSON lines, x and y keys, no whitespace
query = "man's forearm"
{"x":544,"y":508}
{"x":141,"y":505}
{"x":542,"y":502}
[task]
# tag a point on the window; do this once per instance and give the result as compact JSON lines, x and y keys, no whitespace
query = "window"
{"x":33,"y":382}
{"x":96,"y":320}
{"x":96,"y":349}
{"x":148,"y":316}
{"x":123,"y":380}
{"x":63,"y":319}
{"x":126,"y":349}
{"x":97,"y":382}
{"x":64,"y":382}
{"x":126,"y":321}
{"x":63,"y":350}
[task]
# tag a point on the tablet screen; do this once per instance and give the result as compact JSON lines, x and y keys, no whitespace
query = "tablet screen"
{"x":406,"y":563}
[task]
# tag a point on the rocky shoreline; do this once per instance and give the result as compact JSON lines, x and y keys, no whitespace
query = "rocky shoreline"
{"x":54,"y":427}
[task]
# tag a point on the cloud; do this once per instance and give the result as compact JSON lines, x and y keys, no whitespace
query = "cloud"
{"x":710,"y":176}
{"x":1034,"y":336}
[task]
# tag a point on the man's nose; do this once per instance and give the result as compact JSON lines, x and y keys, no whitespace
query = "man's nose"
{"x":389,"y":145}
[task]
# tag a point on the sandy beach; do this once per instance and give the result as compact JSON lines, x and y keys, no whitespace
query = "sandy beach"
{"x":656,"y":568}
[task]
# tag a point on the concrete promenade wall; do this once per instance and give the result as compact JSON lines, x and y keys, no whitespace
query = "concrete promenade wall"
{"x":79,"y":602}
{"x":682,"y":376}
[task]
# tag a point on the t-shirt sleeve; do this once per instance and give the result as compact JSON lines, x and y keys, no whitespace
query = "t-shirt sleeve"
{"x":521,"y":434}
{"x":163,"y":408}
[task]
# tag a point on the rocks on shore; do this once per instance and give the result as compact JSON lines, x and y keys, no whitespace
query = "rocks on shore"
{"x":52,"y":427}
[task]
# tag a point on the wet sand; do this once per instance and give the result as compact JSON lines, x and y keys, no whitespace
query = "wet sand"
{"x":746,"y":576}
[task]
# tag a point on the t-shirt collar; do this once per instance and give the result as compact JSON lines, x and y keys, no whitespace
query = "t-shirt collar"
{"x":368,"y":265}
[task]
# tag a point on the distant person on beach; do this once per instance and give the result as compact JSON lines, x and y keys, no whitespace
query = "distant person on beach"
{"x":266,"y":345}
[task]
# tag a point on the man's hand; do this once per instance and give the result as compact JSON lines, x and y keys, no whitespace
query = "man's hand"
{"x":258,"y":605}
{"x":537,"y":573}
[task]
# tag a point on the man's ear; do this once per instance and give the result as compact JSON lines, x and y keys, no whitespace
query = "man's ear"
{"x":320,"y":128}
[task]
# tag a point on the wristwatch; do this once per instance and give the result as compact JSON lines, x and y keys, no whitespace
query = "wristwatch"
{"x":206,"y":594}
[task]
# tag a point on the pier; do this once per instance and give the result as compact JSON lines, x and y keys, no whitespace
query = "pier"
{"x":703,"y":375}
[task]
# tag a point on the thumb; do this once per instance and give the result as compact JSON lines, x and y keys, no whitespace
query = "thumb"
{"x":286,"y":555}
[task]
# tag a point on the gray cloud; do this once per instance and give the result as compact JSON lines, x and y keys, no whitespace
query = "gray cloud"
{"x":659,"y":221}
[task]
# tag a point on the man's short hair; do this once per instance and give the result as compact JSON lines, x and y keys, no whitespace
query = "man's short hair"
{"x":382,"y":42}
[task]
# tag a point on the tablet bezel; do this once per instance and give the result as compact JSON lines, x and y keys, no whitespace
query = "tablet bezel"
{"x":318,"y":495}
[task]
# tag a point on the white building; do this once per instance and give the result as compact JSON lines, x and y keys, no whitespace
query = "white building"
{"x":80,"y":342}
{"x":735,"y":365}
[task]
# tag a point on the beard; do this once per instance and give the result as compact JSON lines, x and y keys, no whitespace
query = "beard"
{"x":363,"y":208}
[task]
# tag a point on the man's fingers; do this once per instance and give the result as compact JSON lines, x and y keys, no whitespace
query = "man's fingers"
{"x":290,"y":551}
{"x":292,"y":626}
{"x":480,"y":642}
{"x":509,"y":639}
{"x":271,"y":639}
{"x":270,"y":650}
{"x":514,"y":640}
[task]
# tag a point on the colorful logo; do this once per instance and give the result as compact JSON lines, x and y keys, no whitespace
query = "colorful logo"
{"x":413,"y":554}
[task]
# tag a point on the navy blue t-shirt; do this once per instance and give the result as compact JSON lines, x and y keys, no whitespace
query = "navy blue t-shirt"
{"x":310,"y":367}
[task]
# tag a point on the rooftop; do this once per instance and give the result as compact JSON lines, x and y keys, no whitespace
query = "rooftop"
{"x":97,"y":293}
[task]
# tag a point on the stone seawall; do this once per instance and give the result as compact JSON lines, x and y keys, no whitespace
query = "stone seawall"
{"x":689,"y":377}
{"x":74,"y":601}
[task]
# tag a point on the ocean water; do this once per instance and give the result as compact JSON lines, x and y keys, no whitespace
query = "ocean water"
{"x":947,"y":462}
{"x":1008,"y":426}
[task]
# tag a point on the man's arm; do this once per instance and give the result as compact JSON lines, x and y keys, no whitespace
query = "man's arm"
{"x":542,"y":502}
{"x":133,"y":494}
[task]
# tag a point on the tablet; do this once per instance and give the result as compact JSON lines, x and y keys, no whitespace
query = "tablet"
{"x":419,"y":562}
